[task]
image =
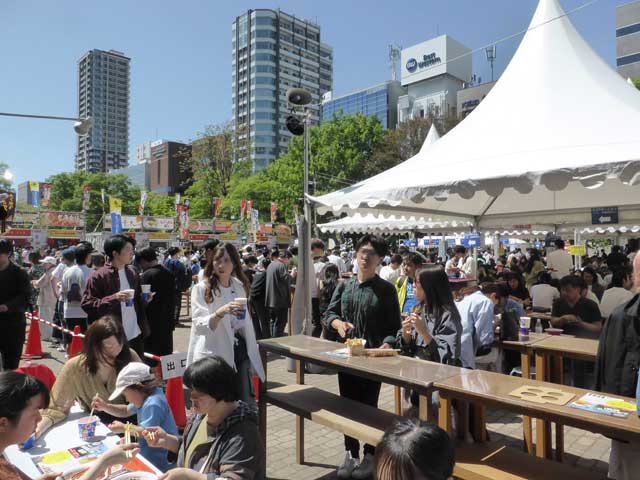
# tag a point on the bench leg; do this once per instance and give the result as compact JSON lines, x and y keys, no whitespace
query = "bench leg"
{"x":557,"y":374}
{"x":559,"y":442}
{"x":262,"y":406}
{"x":425,"y":412}
{"x":444,"y":416}
{"x":299,"y":419}
{"x":543,"y":428}
{"x":479,"y":423}
{"x":527,"y":427}
{"x":397,"y":400}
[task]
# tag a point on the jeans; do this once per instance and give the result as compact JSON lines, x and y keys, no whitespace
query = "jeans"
{"x":315,"y":318}
{"x":364,"y":391}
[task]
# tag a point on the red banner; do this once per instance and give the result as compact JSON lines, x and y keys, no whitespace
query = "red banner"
{"x":45,"y":194}
{"x":243,"y":207}
{"x":86,"y":196}
{"x":274,"y":211}
{"x":216,"y":206}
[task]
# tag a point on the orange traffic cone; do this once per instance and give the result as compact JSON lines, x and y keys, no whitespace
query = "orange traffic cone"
{"x":34,"y":346}
{"x":175,"y":399}
{"x":76,"y":342}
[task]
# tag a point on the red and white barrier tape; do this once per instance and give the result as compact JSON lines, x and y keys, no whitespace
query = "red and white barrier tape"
{"x":51,"y":324}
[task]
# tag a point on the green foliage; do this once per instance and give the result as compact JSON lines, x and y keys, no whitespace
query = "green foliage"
{"x":159,"y":205}
{"x":636,"y":82}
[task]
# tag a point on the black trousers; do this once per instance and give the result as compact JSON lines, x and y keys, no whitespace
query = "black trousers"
{"x":12,"y":335}
{"x":260,"y":318}
{"x":364,"y":391}
{"x":277,"y":321}
{"x":177,"y":308}
{"x":159,"y":343}
{"x":315,"y":317}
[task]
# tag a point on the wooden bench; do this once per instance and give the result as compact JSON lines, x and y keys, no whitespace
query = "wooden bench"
{"x":485,"y":461}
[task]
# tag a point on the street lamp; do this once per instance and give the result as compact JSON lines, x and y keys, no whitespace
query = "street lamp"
{"x":81,"y":125}
{"x":299,"y":97}
{"x":7,"y":175}
{"x":491,"y":57}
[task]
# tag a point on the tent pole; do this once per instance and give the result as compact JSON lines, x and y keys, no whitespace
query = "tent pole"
{"x":576,"y":241}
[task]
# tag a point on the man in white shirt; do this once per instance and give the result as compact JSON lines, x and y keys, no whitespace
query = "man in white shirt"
{"x":619,"y":293}
{"x":543,"y":294}
{"x":337,"y":261}
{"x":317,"y":252}
{"x":392,"y":272}
{"x":559,"y":262}
{"x":74,"y":283}
{"x":467,"y":264}
{"x":67,"y":258}
{"x":452,"y":268}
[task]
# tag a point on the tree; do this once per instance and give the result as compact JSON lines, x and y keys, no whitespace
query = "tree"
{"x":212,"y":162}
{"x":636,"y":82}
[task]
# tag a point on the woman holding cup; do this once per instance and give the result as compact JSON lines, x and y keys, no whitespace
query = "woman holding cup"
{"x":221,"y":324}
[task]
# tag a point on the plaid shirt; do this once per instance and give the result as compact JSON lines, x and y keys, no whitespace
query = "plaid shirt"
{"x":371,"y":306}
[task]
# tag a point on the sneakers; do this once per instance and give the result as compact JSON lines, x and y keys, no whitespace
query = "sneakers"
{"x":348,"y":466}
{"x":365,"y":469}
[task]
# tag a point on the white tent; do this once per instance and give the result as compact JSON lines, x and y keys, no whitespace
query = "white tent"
{"x":556,"y":136}
{"x":371,"y":223}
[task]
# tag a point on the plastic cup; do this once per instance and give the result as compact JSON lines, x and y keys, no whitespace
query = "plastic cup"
{"x":242,"y":301}
{"x":87,"y":427}
{"x":146,"y":292}
{"x":526,"y":322}
{"x":130,"y":293}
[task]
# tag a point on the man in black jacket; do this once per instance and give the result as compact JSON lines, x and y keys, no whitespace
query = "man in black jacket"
{"x":161,"y":303}
{"x":14,"y":296}
{"x":617,"y":366}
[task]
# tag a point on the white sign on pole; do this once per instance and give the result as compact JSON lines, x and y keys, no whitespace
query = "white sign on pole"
{"x":173,"y":365}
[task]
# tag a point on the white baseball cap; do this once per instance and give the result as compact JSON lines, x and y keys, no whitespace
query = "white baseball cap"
{"x":132,"y":374}
{"x":49,"y":260}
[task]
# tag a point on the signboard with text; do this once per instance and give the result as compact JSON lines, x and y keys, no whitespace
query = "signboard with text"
{"x":173,"y":365}
{"x":604,"y":216}
{"x":471,"y":240}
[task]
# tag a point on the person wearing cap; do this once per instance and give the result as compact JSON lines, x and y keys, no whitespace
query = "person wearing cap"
{"x":14,"y":296}
{"x":141,"y":389}
{"x":46,"y":297}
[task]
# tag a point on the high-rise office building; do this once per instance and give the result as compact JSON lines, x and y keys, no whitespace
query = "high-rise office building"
{"x":103,"y":94}
{"x":380,"y":100}
{"x":628,"y":40}
{"x":272,"y":52}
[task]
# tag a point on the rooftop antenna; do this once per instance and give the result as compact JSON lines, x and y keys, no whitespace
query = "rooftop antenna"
{"x":394,"y":58}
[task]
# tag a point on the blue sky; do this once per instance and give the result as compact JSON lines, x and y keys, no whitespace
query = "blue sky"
{"x":181,"y":57}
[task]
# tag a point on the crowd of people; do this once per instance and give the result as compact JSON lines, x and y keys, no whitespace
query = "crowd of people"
{"x":127,"y":301}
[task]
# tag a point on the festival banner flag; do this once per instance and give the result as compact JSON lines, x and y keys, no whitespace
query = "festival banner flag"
{"x":45,"y":194}
{"x":249,"y":208}
{"x":255,"y":220}
{"x":143,"y":202}
{"x":216,"y":206}
{"x":86,"y":196}
{"x":243,"y":208}
{"x":274,"y":211}
{"x":177,"y":201}
{"x":102,"y":195}
{"x":115,"y":207}
{"x":34,"y":194}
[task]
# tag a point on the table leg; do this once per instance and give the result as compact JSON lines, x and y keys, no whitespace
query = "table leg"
{"x":479,"y":423}
{"x":559,"y":442}
{"x":424,"y":407}
{"x":543,"y":428}
{"x":397,"y":400}
{"x":557,"y":373}
{"x":262,"y":406}
{"x":299,"y":419}
{"x":444,"y":420}
{"x":527,"y":428}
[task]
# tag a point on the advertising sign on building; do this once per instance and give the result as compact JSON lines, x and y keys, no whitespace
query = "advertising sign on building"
{"x":433,"y":58}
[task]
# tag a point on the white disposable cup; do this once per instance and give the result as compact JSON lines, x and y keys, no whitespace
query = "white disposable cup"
{"x":525,"y":322}
{"x":130,"y":294}
{"x":242,"y":301}
{"x":145,"y":288}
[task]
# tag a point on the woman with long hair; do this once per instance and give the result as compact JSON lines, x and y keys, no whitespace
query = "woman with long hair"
{"x":533,"y":268}
{"x":105,"y":352}
{"x":590,"y":277}
{"x":433,"y":329}
{"x":517,"y":289}
{"x":221,"y":322}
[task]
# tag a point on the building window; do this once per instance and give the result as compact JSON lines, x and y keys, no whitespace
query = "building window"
{"x":628,"y":59}
{"x":628,"y":30}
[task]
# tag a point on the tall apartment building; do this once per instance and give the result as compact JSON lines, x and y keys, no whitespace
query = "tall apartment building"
{"x":103,"y":94}
{"x":272,"y":52}
{"x":628,"y":40}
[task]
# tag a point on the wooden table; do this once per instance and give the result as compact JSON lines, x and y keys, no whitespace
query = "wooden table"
{"x":492,"y":389}
{"x":526,"y":352}
{"x":400,"y":371}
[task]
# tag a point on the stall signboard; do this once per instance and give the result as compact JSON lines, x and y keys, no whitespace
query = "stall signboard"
{"x":39,"y":238}
{"x":604,"y":216}
{"x":159,"y":236}
{"x":223,"y":226}
{"x":17,"y":233}
{"x":201,"y":237}
{"x":25,"y":217}
{"x":58,"y":233}
{"x":283,"y":233}
{"x":520,"y":227}
{"x":62,"y":219}
{"x":230,"y":237}
{"x":136,"y":222}
{"x":577,"y":250}
{"x":471,"y":240}
{"x":201,"y":225}
{"x":265,"y":229}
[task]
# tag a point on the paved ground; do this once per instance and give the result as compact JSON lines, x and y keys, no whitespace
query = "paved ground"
{"x":324,"y":447}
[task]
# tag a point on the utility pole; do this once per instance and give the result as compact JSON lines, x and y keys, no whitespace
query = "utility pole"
{"x":394,"y":57}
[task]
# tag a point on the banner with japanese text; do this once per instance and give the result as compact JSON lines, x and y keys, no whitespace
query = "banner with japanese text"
{"x":115,"y":207}
{"x":86,"y":196}
{"x":34,"y":194}
{"x":45,"y":194}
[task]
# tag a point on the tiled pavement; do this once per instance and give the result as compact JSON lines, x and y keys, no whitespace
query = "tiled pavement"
{"x":324,"y":447}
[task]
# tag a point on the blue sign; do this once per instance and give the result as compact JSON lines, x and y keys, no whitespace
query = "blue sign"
{"x":471,"y":240}
{"x":412,"y":65}
{"x":116,"y":223}
{"x":604,"y":215}
{"x":410,"y":243}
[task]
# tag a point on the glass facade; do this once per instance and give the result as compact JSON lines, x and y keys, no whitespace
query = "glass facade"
{"x":374,"y":101}
{"x":272,"y":52}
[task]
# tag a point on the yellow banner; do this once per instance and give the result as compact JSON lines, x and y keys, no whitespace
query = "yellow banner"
{"x":115,"y":205}
{"x":579,"y":250}
{"x":34,"y":186}
{"x":64,"y":234}
{"x":159,"y":236}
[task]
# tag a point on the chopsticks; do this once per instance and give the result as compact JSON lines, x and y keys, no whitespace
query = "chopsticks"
{"x":95,"y":397}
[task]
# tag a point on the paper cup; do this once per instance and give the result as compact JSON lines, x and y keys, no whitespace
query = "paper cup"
{"x":525,"y":322}
{"x":146,"y":292}
{"x":87,"y":427}
{"x":130,"y":293}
